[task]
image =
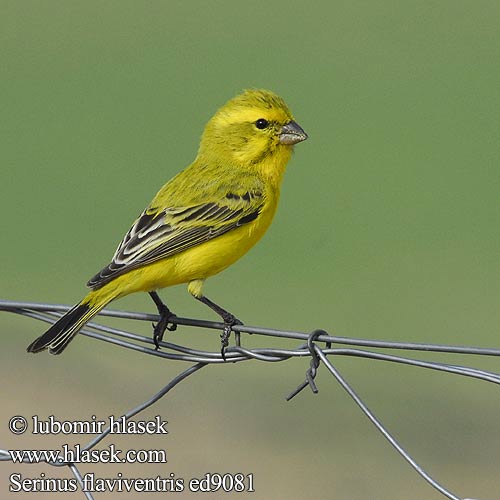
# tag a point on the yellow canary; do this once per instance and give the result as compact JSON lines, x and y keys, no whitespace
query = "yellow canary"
{"x":202,"y":220}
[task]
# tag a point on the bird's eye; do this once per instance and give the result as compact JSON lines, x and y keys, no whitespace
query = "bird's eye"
{"x":261,"y":123}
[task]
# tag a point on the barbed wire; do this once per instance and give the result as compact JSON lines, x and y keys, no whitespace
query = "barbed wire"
{"x":356,"y":347}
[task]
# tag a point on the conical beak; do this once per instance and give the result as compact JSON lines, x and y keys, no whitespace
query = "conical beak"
{"x":292,"y":133}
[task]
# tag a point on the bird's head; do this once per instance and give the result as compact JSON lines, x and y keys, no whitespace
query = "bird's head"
{"x":250,"y":128}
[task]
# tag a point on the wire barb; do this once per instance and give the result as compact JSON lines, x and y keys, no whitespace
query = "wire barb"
{"x":360,"y":348}
{"x":313,"y":366}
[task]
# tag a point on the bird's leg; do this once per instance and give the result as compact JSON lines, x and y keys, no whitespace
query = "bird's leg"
{"x":229,"y":321}
{"x":166,"y":322}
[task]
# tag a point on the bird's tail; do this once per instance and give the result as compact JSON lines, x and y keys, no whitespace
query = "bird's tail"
{"x":62,"y":332}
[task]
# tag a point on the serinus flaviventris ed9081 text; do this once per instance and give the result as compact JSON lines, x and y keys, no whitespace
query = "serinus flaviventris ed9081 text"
{"x":202,"y":220}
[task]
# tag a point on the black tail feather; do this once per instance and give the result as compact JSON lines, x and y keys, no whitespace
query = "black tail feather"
{"x":60,"y":334}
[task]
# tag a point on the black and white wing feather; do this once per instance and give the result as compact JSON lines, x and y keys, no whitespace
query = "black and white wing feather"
{"x":156,"y":235}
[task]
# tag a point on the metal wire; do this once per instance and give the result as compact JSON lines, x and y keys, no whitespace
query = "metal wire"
{"x":309,"y":348}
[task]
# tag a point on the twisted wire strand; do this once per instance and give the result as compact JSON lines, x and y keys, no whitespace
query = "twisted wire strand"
{"x":361,"y":348}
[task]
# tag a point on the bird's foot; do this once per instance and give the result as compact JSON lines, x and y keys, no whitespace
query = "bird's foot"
{"x":229,"y":322}
{"x":166,"y":322}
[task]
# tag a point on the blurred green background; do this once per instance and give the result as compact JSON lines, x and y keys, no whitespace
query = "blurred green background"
{"x":388,"y":228}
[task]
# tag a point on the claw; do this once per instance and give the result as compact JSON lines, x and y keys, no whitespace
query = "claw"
{"x":167,"y":322}
{"x":224,"y":339}
{"x":229,"y":322}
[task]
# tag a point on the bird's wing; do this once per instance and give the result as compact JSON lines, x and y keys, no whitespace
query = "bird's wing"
{"x":158,"y":234}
